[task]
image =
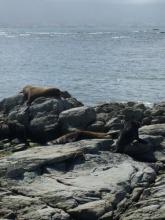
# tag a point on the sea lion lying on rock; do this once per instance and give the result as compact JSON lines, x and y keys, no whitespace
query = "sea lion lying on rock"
{"x":80,"y":135}
{"x":127,"y":135}
{"x":33,"y":92}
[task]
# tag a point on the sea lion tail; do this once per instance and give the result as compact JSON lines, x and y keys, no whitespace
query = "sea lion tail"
{"x":114,"y":134}
{"x":67,"y":138}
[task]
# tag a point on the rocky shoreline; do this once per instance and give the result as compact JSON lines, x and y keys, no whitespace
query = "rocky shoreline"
{"x":83,"y":180}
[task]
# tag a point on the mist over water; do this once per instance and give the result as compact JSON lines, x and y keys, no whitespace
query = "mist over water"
{"x":97,"y":50}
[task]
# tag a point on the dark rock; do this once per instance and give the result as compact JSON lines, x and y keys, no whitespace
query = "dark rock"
{"x":131,"y":114}
{"x":12,"y":103}
{"x":146,"y":121}
{"x":44,"y":128}
{"x":158,"y":120}
{"x":19,"y":147}
{"x":114,"y":124}
{"x":97,"y":126}
{"x":109,"y":107}
{"x":140,"y":106}
{"x":131,"y":104}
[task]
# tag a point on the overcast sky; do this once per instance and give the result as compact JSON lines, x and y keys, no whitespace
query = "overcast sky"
{"x":72,"y":12}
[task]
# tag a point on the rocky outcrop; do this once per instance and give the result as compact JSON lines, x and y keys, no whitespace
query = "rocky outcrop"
{"x":83,"y":180}
{"x":41,"y":119}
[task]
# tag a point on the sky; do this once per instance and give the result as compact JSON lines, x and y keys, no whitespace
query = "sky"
{"x":83,"y":12}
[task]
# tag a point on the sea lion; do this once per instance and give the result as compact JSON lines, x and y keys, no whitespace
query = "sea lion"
{"x":80,"y":135}
{"x":33,"y":92}
{"x":127,"y":135}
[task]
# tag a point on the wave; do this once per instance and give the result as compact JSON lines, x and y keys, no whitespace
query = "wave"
{"x":2,"y":33}
{"x":120,"y":37}
{"x":10,"y":36}
{"x":100,"y":33}
{"x":148,"y":104}
{"x":50,"y":33}
{"x":24,"y":35}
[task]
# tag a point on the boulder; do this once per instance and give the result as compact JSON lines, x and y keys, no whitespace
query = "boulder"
{"x":44,"y":128}
{"x":76,"y":118}
{"x":40,"y":120}
{"x":156,"y":130}
{"x":11,"y":103}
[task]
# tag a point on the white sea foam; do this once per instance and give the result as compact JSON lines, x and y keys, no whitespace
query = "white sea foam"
{"x":149,"y":104}
{"x":24,"y":35}
{"x":2,"y":33}
{"x":119,"y":37}
{"x":10,"y":36}
{"x":99,"y":33}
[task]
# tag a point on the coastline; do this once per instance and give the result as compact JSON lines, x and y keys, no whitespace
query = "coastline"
{"x":83,"y":179}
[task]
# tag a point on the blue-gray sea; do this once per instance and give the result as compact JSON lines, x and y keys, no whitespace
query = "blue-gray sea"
{"x":95,"y":64}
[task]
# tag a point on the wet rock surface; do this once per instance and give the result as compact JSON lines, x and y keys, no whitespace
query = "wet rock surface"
{"x":83,"y":180}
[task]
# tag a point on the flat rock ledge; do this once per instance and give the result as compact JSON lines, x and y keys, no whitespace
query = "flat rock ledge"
{"x":83,"y":180}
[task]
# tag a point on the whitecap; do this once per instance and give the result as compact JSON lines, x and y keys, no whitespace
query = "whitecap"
{"x":62,"y":33}
{"x":148,"y":104}
{"x":98,"y":33}
{"x":2,"y":33}
{"x":119,"y":37}
{"x":44,"y":33}
{"x":10,"y":36}
{"x":24,"y":35}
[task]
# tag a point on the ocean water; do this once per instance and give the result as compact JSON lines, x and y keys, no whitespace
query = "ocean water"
{"x":95,"y":64}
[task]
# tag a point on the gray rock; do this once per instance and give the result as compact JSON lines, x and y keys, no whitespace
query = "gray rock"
{"x":49,"y":105}
{"x":97,"y":126}
{"x":83,"y":178}
{"x":114,"y":124}
{"x":46,"y":213}
{"x":90,"y":211}
{"x":146,"y":121}
{"x":78,"y":118}
{"x":104,"y":117}
{"x":158,"y":112}
{"x":150,"y":205}
{"x":44,"y":128}
{"x":19,"y":115}
{"x":11,"y":103}
{"x":19,"y":147}
{"x":41,"y":118}
{"x":160,"y":152}
{"x":158,"y":120}
{"x":140,"y":106}
{"x":131,"y":104}
{"x":157,"y":129}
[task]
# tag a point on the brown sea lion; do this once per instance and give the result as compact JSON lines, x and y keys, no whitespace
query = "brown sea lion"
{"x":33,"y":92}
{"x":127,"y":135}
{"x":80,"y":135}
